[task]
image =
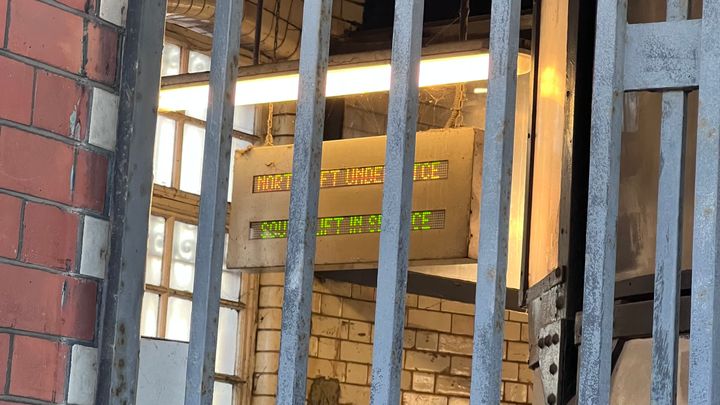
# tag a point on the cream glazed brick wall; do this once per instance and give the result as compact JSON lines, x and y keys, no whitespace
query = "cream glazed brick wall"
{"x":114,"y":11}
{"x":436,"y":359}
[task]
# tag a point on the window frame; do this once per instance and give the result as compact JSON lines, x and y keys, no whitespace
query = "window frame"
{"x":175,"y":205}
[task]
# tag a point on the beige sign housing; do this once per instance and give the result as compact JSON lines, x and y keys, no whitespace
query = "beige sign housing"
{"x":445,"y":203}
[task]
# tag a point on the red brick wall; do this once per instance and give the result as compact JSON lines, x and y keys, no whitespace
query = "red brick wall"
{"x":58,"y":62}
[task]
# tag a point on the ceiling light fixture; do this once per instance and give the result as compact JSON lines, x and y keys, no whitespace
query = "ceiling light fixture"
{"x":341,"y":81}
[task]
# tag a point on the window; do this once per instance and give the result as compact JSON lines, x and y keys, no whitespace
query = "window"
{"x":172,"y":239}
{"x":170,"y":60}
{"x":198,"y":62}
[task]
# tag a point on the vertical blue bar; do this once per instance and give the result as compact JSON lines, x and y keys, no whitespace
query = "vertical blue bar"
{"x":119,"y":337}
{"x":705,"y":318}
{"x":495,"y":203}
{"x":397,"y":203}
{"x":213,"y":203}
{"x":668,"y":249}
{"x":305,"y":187}
{"x":603,"y":193}
{"x":668,"y":246}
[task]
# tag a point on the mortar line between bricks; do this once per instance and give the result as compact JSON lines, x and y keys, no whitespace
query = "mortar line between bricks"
{"x":55,"y":137}
{"x":84,"y":135}
{"x":7,"y":24}
{"x":101,"y":297}
{"x":66,"y":380}
{"x":32,"y":96}
{"x":67,"y":341}
{"x":52,"y":69}
{"x":80,"y":235}
{"x":23,"y":400}
{"x":110,"y":189}
{"x":32,"y":266}
{"x":87,"y":16}
{"x":11,"y":346}
{"x":21,"y":231}
{"x":62,"y":206}
{"x":99,"y":307}
{"x":40,"y":132}
{"x":73,"y":173}
{"x":85,"y":40}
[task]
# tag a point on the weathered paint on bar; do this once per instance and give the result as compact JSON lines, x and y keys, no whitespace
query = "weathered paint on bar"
{"x":495,"y":203}
{"x":304,"y":195}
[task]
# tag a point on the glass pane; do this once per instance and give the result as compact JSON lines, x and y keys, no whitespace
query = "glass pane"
{"x":182,"y":265}
{"x":198,"y":62}
{"x":164,"y":151}
{"x":223,"y":394}
{"x":237,"y":144}
{"x":170,"y":60}
{"x":149,"y":315}
{"x":178,"y":319}
{"x":244,"y":119}
{"x":230,"y":289}
{"x":231,"y":280}
{"x":192,"y":159}
{"x":156,"y":243}
{"x":197,"y":111}
{"x":226,"y":341}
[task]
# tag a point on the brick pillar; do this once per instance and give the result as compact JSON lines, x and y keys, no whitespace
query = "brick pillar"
{"x":58,"y":117}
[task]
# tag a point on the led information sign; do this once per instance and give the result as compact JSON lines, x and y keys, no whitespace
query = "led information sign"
{"x":444,"y":210}
{"x":347,"y":225}
{"x":350,"y":176}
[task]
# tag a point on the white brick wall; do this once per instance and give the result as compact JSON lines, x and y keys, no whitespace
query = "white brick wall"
{"x":436,"y":359}
{"x":95,"y":247}
{"x":83,"y":375}
{"x":103,"y":119}
{"x":114,"y":11}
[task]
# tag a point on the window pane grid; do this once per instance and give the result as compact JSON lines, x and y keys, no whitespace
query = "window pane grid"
{"x":167,"y":310}
{"x":165,"y":245}
{"x":169,"y":292}
{"x":177,"y":152}
{"x":173,"y":236}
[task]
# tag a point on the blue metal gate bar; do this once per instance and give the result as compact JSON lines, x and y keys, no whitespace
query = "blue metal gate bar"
{"x":668,"y":247}
{"x":705,"y":323}
{"x":397,"y":203}
{"x":605,"y":134}
{"x":213,"y":203}
{"x":495,"y":203}
{"x":130,"y":209}
{"x":294,"y":343}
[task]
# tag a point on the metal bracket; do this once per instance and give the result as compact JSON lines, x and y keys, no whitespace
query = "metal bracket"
{"x":549,"y":349}
{"x":552,"y":346}
{"x":546,"y":307}
{"x":557,"y":276}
